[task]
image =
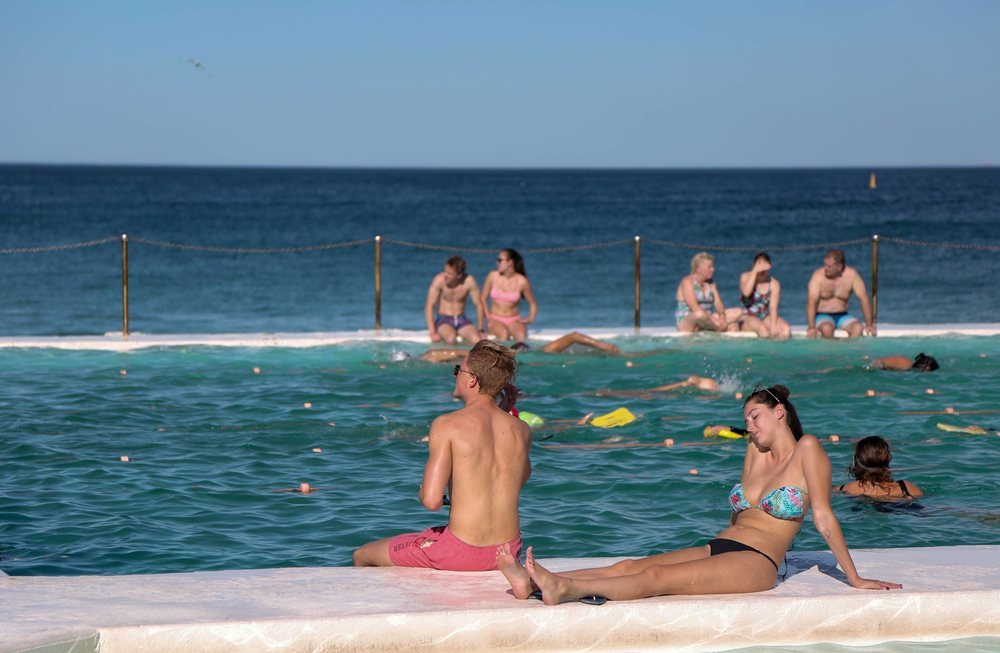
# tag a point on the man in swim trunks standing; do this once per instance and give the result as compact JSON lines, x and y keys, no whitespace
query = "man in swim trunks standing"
{"x":830,"y":290}
{"x":479,"y":454}
{"x":449,"y":290}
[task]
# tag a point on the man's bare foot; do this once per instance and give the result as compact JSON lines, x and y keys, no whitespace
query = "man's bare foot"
{"x":554,"y":589}
{"x":516,"y":575}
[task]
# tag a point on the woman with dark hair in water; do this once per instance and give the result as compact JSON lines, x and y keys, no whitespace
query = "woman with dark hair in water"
{"x":785,"y":474}
{"x":505,"y":287}
{"x":872,"y":478}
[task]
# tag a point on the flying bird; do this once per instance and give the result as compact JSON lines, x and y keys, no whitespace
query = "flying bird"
{"x":198,"y":65}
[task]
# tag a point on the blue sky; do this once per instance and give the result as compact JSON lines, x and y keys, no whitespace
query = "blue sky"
{"x":501,"y":84}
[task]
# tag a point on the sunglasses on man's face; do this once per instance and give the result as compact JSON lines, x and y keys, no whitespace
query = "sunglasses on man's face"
{"x":458,"y":368}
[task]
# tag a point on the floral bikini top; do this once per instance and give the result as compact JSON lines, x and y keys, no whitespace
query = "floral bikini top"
{"x":787,"y":502}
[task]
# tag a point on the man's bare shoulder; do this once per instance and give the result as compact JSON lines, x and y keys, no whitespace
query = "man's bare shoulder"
{"x":438,"y":280}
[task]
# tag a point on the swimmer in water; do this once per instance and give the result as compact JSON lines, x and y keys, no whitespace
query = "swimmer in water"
{"x":920,"y":363}
{"x":557,"y":346}
{"x":872,"y":478}
{"x":699,"y":382}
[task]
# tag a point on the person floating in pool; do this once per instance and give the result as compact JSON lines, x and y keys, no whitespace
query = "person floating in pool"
{"x":449,"y":291}
{"x":785,"y":474}
{"x":872,"y":478}
{"x":505,"y":287}
{"x":557,"y":346}
{"x":829,"y":292}
{"x":920,"y":363}
{"x":699,"y":304}
{"x":479,"y":454}
{"x":698,"y":382}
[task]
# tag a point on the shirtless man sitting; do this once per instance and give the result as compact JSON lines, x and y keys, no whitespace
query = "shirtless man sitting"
{"x":479,"y":454}
{"x":449,"y":290}
{"x":830,"y":290}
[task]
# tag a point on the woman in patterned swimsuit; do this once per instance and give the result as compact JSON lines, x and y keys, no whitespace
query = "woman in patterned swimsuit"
{"x":699,"y":306}
{"x":760,"y":294}
{"x":785,"y":474}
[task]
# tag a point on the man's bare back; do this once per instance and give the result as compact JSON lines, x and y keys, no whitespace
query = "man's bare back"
{"x":479,"y":455}
{"x":487,"y":452}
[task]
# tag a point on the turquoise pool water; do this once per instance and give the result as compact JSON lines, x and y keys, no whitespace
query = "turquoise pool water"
{"x":210,"y":442}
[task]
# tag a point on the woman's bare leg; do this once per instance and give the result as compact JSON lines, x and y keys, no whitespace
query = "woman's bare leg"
{"x":518,"y":331}
{"x":499,"y":329}
{"x":727,"y":573}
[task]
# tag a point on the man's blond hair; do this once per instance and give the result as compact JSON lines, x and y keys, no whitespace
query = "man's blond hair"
{"x":494,"y":366}
{"x":697,"y":259}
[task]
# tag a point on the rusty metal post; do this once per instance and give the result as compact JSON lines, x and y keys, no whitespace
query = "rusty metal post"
{"x":378,"y":283}
{"x":874,"y":280}
{"x":124,"y":285}
{"x":637,"y":320}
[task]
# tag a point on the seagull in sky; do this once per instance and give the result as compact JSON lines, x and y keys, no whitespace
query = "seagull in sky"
{"x":198,"y":65}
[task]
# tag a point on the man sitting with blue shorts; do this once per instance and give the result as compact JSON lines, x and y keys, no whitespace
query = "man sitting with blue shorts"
{"x":830,"y":290}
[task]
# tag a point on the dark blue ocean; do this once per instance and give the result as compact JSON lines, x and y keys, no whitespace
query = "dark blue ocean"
{"x":172,"y":290}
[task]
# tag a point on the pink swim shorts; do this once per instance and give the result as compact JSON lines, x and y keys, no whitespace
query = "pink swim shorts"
{"x":437,"y":548}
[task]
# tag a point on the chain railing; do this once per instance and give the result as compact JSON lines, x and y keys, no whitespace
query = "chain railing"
{"x":378,"y":241}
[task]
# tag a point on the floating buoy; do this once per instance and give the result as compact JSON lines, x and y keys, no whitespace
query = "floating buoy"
{"x":317,"y":450}
{"x":738,"y":395}
{"x":869,"y":393}
{"x":124,"y":459}
{"x":871,"y":181}
{"x":307,"y":404}
{"x":531,"y":419}
{"x":123,"y":372}
{"x":929,"y":391}
{"x":256,"y":370}
{"x":834,"y":438}
{"x":693,"y":471}
{"x":669,"y":442}
{"x":618,"y":417}
{"x":629,"y":363}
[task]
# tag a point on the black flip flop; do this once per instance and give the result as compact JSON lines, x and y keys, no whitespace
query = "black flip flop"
{"x":589,"y":600}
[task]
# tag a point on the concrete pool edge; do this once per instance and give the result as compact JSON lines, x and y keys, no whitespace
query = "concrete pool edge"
{"x":949,"y":593}
{"x":115,"y":341}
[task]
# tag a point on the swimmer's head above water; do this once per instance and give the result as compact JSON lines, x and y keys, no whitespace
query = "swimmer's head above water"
{"x":924,"y":363}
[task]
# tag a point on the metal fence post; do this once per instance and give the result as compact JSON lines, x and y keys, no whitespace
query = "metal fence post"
{"x":637,"y":320}
{"x":378,"y":283}
{"x":874,"y":280}
{"x":124,"y":285}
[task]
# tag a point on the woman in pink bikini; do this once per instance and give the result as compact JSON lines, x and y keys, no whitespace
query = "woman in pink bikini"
{"x":505,"y":287}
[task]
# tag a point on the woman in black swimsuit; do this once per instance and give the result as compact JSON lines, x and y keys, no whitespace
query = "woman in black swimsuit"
{"x":870,"y":470}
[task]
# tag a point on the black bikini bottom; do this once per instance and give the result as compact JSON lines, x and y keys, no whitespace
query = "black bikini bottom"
{"x":722,"y":545}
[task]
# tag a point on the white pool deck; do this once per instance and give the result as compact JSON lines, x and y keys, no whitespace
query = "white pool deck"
{"x":114,"y":341}
{"x":948,"y":593}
